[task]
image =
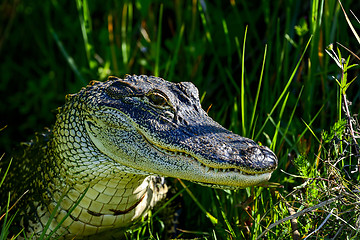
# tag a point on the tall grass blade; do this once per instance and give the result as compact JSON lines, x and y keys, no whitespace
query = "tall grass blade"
{"x":7,"y":222}
{"x":7,"y":170}
{"x":273,"y":143}
{"x":126,"y":31}
{"x":258,"y":92}
{"x":86,"y":29}
{"x":203,"y":14}
{"x":290,"y":119}
{"x":4,"y":230}
{"x":243,"y":86}
{"x":305,"y":130}
{"x":14,"y":204}
{"x":53,"y":213}
{"x":158,"y":42}
{"x":211,"y":217}
{"x":284,"y":90}
{"x":312,"y":132}
{"x":223,"y":213}
{"x":349,"y":23}
{"x":68,"y":58}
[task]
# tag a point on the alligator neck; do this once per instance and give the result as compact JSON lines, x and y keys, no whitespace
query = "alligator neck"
{"x":113,"y":196}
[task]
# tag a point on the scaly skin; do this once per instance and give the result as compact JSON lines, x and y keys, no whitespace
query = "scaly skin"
{"x":110,"y":143}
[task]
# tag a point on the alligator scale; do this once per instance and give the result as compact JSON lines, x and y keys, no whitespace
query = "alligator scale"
{"x":111,"y":144}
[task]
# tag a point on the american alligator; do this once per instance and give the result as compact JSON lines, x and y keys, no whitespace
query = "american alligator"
{"x":107,"y":149}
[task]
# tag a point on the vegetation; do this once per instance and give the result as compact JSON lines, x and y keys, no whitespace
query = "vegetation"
{"x":263,"y":70}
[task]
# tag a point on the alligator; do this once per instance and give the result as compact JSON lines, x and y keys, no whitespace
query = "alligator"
{"x":101,"y":167}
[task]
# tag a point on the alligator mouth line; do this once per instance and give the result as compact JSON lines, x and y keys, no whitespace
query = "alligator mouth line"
{"x":195,"y":160}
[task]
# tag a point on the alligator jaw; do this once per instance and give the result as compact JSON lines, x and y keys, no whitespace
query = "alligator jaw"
{"x":203,"y":174}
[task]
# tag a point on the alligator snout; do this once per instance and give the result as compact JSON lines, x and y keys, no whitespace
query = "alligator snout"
{"x":225,"y":149}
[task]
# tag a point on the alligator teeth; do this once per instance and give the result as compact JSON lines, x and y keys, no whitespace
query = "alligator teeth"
{"x":223,"y":170}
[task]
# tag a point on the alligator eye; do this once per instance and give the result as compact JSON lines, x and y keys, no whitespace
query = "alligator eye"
{"x":157,"y":99}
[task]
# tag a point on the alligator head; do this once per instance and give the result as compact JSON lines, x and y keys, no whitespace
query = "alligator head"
{"x":158,"y":127}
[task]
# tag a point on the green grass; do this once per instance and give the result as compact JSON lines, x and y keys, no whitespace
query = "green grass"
{"x":261,"y":69}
